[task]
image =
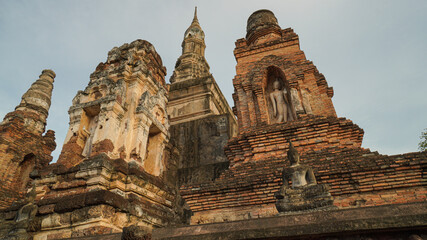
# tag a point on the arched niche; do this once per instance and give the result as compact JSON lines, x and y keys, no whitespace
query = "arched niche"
{"x":278,"y":97}
{"x":88,"y":125}
{"x":153,"y":156}
{"x":25,"y":168}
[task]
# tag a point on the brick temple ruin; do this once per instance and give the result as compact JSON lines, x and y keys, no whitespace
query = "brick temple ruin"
{"x":147,"y":159}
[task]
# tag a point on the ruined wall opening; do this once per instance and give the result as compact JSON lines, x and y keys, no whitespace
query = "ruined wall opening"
{"x":88,"y":126}
{"x":153,"y":155}
{"x":25,"y":168}
{"x":278,"y":96}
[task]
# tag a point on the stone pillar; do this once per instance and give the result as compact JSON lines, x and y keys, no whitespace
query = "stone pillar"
{"x":244,"y":121}
{"x":262,"y":106}
{"x":251,"y":105}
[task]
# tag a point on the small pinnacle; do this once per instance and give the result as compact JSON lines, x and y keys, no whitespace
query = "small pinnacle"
{"x":195,"y":15}
{"x":48,"y":72}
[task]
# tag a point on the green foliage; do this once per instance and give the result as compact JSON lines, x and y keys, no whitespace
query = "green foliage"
{"x":423,"y":144}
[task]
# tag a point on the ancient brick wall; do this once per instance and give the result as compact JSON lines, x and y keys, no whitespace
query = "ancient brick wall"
{"x":201,"y":143}
{"x":307,"y":134}
{"x":358,"y":178}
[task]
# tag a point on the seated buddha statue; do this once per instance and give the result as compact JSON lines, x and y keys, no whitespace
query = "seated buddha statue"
{"x":300,"y":190}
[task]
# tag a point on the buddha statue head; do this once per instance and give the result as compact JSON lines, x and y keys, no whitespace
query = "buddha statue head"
{"x":293,"y":155}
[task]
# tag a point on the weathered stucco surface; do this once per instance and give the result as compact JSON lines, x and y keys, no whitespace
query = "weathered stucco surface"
{"x":201,"y":143}
{"x":122,"y":112}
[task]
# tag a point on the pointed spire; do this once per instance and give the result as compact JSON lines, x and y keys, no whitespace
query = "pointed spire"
{"x":192,"y":64}
{"x":195,"y":29}
{"x":195,"y":21}
{"x":195,"y":15}
{"x":37,"y":98}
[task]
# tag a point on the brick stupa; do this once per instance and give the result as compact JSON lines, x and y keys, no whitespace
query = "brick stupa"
{"x":331,"y":145}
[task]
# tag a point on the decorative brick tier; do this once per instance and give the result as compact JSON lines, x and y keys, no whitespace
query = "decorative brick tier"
{"x":358,"y":177}
{"x":308,"y":134}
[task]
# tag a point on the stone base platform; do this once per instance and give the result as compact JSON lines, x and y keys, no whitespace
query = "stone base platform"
{"x":403,"y":221}
{"x":304,"y":199}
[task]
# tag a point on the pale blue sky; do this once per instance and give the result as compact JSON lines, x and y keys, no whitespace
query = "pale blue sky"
{"x":372,"y":52}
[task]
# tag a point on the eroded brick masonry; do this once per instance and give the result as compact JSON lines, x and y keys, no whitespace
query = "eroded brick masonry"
{"x":147,"y":159}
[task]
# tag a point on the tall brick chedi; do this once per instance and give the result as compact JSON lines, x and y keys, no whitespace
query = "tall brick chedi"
{"x":281,"y":97}
{"x":24,"y":145}
{"x":270,"y":54}
{"x":201,"y":119}
{"x":194,"y":93}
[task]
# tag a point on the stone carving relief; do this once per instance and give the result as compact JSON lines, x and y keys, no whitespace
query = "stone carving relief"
{"x":121,"y":109}
{"x":296,"y":101}
{"x":153,"y":106}
{"x":25,"y":217}
{"x":306,"y":101}
{"x":285,"y":103}
{"x":98,"y":91}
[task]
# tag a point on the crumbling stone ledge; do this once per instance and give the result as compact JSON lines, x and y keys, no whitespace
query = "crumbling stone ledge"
{"x":336,"y":223}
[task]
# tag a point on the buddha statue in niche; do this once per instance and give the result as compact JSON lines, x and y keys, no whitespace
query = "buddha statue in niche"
{"x":282,"y":111}
{"x":300,"y":191}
